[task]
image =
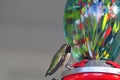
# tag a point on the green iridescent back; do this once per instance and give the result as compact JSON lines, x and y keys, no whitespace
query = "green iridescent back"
{"x":92,"y":28}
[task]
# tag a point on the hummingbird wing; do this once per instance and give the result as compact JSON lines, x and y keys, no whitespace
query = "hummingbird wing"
{"x":55,"y":64}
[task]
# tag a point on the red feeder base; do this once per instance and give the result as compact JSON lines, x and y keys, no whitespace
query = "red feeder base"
{"x":92,"y":76}
{"x":93,"y":70}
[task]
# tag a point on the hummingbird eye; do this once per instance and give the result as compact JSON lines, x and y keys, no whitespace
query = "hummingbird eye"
{"x":65,"y":47}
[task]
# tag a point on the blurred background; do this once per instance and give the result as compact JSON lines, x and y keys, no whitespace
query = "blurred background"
{"x":31,"y":31}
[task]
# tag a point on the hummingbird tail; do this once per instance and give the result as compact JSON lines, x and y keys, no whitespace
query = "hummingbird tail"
{"x":46,"y":74}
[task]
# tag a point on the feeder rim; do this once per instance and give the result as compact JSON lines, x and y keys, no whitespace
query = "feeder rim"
{"x":92,"y":69}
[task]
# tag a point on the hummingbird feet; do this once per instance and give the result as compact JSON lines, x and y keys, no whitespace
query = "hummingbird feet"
{"x":68,"y":67}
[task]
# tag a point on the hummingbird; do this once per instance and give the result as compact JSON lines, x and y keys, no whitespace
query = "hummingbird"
{"x":59,"y":59}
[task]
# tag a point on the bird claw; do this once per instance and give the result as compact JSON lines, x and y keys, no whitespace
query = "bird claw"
{"x":68,"y":67}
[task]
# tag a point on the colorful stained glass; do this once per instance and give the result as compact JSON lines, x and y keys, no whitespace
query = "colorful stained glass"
{"x":92,"y":28}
